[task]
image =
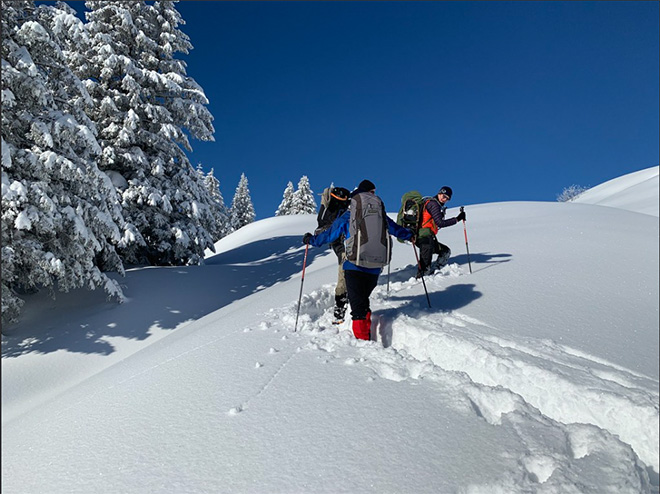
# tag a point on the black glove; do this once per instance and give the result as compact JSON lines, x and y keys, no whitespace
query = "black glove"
{"x":306,"y":238}
{"x":460,"y":217}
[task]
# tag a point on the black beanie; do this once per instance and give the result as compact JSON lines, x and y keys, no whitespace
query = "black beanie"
{"x":446,"y":190}
{"x":366,"y":186}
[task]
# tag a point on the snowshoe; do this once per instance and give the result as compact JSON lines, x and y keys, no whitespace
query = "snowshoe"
{"x":340,"y":308}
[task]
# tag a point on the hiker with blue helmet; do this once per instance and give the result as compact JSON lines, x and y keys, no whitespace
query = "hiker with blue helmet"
{"x":367,"y":229}
{"x":433,"y":219}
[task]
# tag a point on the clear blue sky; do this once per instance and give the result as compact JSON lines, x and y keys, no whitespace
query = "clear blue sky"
{"x":500,"y":100}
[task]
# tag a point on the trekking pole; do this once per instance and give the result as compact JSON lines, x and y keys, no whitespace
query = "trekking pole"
{"x":389,"y":256}
{"x":302,"y":280}
{"x":388,"y":279}
{"x":421,"y":275}
{"x":466,"y":243}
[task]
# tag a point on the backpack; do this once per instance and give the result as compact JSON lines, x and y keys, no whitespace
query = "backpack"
{"x":410,"y":214}
{"x":334,"y":201}
{"x":369,"y":244}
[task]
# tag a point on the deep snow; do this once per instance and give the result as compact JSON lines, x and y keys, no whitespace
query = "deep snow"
{"x":538,"y":372}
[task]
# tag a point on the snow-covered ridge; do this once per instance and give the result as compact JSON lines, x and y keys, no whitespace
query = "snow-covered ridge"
{"x":636,"y":191}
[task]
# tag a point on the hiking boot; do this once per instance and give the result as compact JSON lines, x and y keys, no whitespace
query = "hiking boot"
{"x":442,"y":259}
{"x":439,"y":263}
{"x":339,"y":313}
{"x":420,"y":273}
{"x":340,"y":308}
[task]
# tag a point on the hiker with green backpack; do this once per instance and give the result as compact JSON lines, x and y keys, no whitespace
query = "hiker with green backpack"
{"x":367,"y":230}
{"x":425,"y":216}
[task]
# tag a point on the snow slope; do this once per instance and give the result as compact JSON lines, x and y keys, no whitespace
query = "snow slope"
{"x":538,"y":372}
{"x":635,"y":192}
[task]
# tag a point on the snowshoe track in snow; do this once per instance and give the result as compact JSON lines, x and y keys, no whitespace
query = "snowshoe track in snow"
{"x":587,"y":402}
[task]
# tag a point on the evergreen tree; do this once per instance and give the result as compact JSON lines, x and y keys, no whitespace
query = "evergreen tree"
{"x":287,"y":199}
{"x":242,"y":209}
{"x":219,"y":211}
{"x":571,"y":193}
{"x":303,"y":198}
{"x":70,"y":32}
{"x":145,"y":106}
{"x":60,"y":215}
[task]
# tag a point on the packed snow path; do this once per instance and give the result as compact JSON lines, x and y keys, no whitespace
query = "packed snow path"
{"x":496,"y":376}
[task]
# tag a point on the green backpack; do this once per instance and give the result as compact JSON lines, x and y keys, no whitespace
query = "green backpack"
{"x":410,"y":213}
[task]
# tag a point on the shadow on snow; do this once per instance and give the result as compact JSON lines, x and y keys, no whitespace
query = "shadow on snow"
{"x":450,"y":299}
{"x":479,"y":261}
{"x":164,"y":297}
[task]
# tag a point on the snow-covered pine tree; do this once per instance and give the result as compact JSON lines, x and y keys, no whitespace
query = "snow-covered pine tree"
{"x":70,"y":32}
{"x":242,"y":211}
{"x":60,"y":214}
{"x":221,"y":210}
{"x":145,"y":106}
{"x":217,"y":205}
{"x":570,"y":193}
{"x":303,"y":198}
{"x":287,"y":199}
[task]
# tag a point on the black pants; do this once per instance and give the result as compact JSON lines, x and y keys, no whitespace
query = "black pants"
{"x":359,"y":286}
{"x":427,"y":247}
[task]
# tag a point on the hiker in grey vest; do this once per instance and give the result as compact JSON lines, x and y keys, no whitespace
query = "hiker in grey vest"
{"x":367,"y":230}
{"x":433,"y":218}
{"x":334,"y":202}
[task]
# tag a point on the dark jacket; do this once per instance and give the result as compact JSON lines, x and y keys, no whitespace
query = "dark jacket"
{"x":326,"y":218}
